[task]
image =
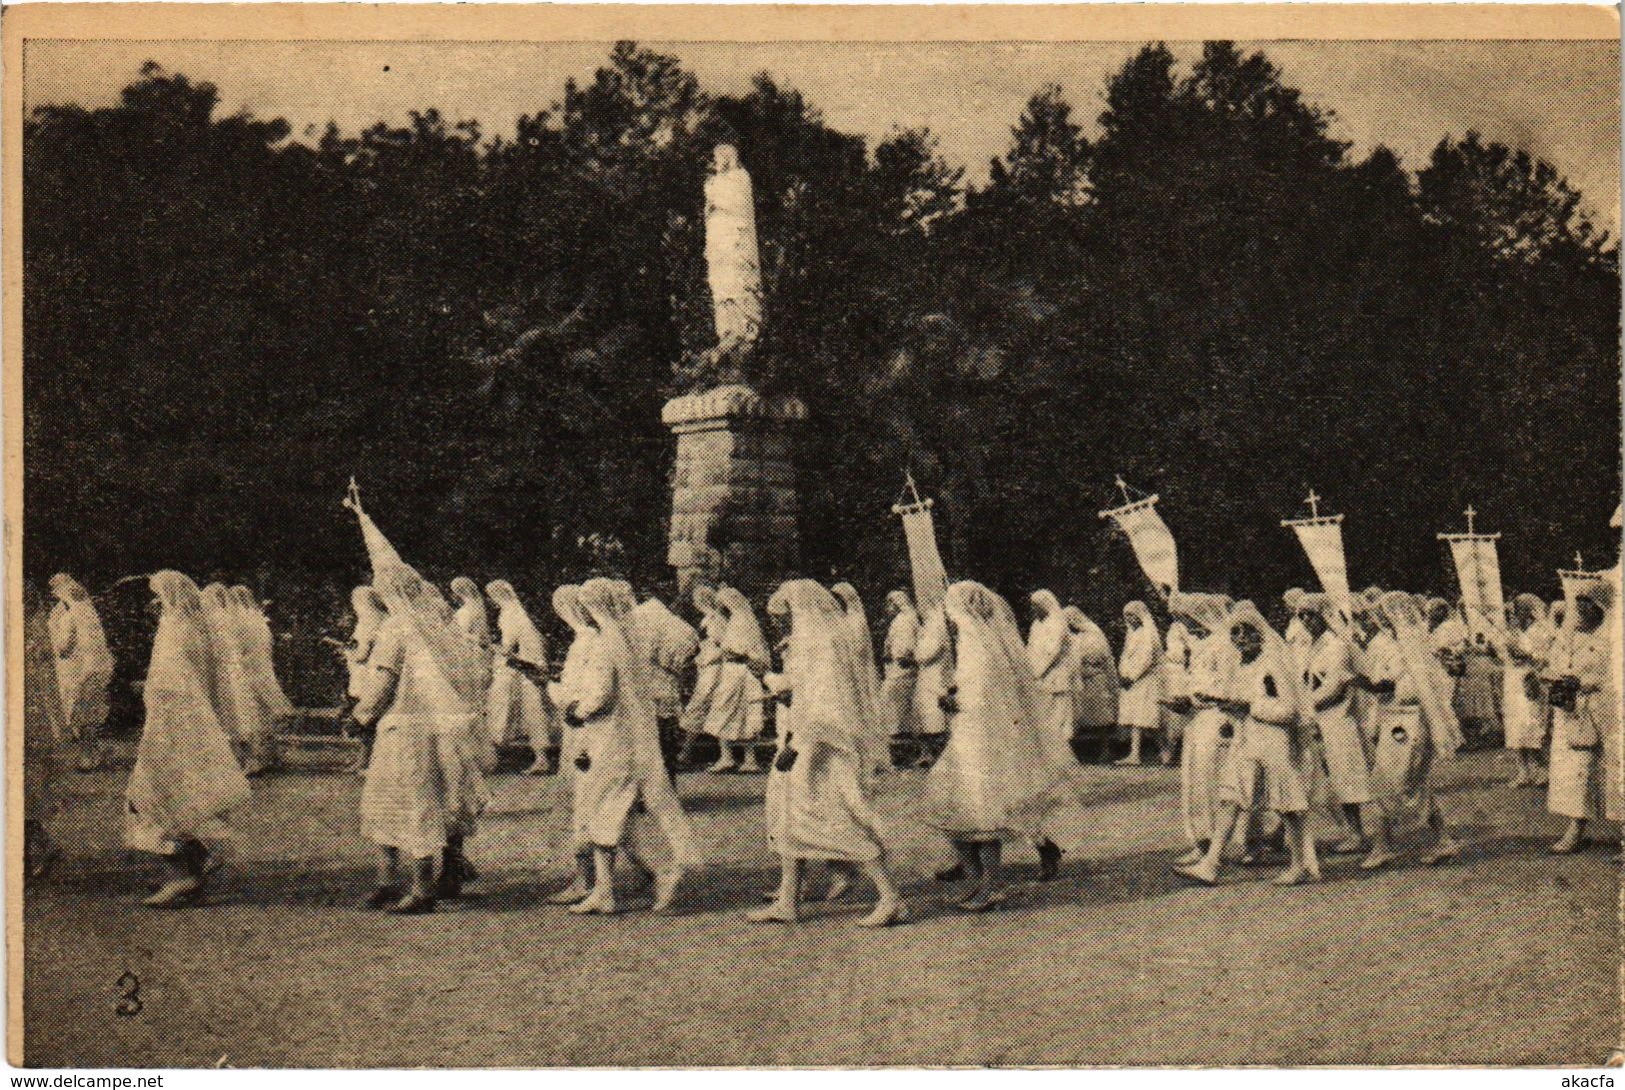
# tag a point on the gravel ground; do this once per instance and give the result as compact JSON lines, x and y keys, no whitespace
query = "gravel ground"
{"x":1509,"y":956}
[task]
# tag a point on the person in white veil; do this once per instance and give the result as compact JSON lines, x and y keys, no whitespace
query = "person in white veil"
{"x":875,"y":738}
{"x":1268,"y":754}
{"x":1140,"y":670}
{"x":663,"y":645}
{"x":567,"y":606}
{"x":42,"y":728}
{"x":469,"y":609}
{"x":598,"y":694}
{"x":1583,"y":717}
{"x":518,"y":707}
{"x":1177,"y":646}
{"x":671,"y":646}
{"x":1297,"y":637}
{"x":900,"y":668}
{"x":358,"y":661}
{"x":186,"y":779}
{"x":1414,"y":721}
{"x":817,"y":807}
{"x":1049,"y":641}
{"x":707,"y":671}
{"x":604,"y":696}
{"x":933,"y":659}
{"x":1097,"y":686}
{"x":423,"y":792}
{"x":1330,"y":681}
{"x":1211,"y":732}
{"x":258,"y":650}
{"x":84,"y":667}
{"x":237,"y":710}
{"x":1523,"y":701}
{"x":734,"y":717}
{"x":1003,"y":775}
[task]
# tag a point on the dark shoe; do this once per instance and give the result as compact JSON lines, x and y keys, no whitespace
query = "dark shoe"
{"x":1049,"y":862}
{"x":954,"y":873}
{"x":455,"y":873}
{"x":382,"y":897}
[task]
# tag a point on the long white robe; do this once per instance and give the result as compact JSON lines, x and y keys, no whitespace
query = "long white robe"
{"x":1140,"y":670}
{"x":257,"y":648}
{"x":735,"y":712}
{"x":596,"y":699}
{"x":418,"y":785}
{"x":518,"y":707}
{"x":236,"y":705}
{"x":1576,"y":783}
{"x":186,"y":778}
{"x":619,"y":741}
{"x":818,"y":808}
{"x":1048,"y":642}
{"x":934,"y":656}
{"x":1003,"y":773}
{"x":707,"y":672}
{"x":1343,"y":743}
{"x":1098,"y":691}
{"x":1523,"y":716}
{"x":1209,"y":736}
{"x":84,"y":665}
{"x":901,"y":672}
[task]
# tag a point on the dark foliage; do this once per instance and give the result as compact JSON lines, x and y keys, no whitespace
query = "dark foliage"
{"x":1210,"y":297}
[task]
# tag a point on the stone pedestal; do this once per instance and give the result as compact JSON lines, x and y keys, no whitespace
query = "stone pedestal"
{"x":733,"y":517}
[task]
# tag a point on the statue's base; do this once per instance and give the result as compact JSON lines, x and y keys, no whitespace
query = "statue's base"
{"x":734,"y":506}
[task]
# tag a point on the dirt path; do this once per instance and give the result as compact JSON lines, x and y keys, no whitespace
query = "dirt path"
{"x":1508,"y":957}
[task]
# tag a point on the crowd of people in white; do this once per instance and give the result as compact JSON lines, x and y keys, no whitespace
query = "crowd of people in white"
{"x":1336,"y":724}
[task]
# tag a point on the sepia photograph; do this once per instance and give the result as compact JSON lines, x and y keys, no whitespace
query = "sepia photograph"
{"x":850,"y":537}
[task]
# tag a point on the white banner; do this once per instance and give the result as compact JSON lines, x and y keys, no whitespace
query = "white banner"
{"x":930,"y":577}
{"x":1322,"y":541}
{"x":1478,"y":568}
{"x":1152,"y":541}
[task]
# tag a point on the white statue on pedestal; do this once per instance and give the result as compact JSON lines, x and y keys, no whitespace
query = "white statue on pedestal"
{"x":733,"y":266}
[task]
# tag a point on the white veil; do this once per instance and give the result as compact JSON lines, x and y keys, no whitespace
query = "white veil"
{"x":827,"y":703}
{"x":743,"y":635}
{"x":862,"y":649}
{"x":1278,"y":658}
{"x":1433,"y":685}
{"x":427,"y":620}
{"x":514,"y":624}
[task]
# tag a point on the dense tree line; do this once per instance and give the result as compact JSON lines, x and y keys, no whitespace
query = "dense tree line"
{"x":1209,"y":295}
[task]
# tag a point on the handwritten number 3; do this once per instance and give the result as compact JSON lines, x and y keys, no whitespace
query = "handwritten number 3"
{"x":129,"y":1003}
